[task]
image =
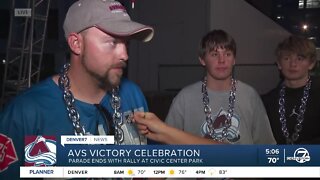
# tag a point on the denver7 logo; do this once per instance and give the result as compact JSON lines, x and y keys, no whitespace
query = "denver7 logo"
{"x":40,"y":151}
{"x":301,"y":155}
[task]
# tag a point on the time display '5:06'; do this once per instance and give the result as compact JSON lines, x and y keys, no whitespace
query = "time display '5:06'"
{"x":272,"y":151}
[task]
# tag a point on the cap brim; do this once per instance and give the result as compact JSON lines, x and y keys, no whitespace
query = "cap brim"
{"x":127,"y":29}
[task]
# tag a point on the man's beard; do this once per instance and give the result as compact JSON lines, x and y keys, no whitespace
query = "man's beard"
{"x":106,"y":81}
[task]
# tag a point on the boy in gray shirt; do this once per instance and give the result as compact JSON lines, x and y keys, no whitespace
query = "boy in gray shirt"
{"x":220,"y":107}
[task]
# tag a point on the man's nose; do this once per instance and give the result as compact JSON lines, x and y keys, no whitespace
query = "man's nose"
{"x":123,"y":51}
{"x":221,"y":58}
{"x":293,"y":61}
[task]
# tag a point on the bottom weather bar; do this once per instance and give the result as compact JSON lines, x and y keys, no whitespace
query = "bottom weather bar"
{"x":174,"y":172}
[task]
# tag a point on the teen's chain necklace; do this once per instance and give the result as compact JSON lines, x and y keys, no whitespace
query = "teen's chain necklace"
{"x":207,"y":111}
{"x":300,"y":116}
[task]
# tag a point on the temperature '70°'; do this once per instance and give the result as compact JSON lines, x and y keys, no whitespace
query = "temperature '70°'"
{"x":273,"y":160}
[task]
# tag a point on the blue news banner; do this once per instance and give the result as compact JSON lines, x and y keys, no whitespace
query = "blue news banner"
{"x":187,"y":155}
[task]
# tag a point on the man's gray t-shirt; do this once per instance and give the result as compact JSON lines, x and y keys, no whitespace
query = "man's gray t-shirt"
{"x":249,"y":125}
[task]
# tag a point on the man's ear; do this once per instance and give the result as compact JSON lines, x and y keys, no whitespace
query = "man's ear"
{"x":279,"y":66}
{"x":202,"y":62}
{"x":74,"y":42}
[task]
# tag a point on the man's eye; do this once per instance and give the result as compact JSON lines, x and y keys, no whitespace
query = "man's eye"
{"x":214,"y":54}
{"x":111,"y":42}
{"x":228,"y":54}
{"x":285,"y":58}
{"x":300,"y":58}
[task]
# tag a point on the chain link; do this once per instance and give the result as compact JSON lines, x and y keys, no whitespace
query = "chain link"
{"x":302,"y":108}
{"x":207,"y":110}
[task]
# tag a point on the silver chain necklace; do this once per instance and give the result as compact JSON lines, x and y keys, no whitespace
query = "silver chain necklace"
{"x":117,"y":115}
{"x":64,"y":84}
{"x":207,"y":110}
{"x":300,"y":117}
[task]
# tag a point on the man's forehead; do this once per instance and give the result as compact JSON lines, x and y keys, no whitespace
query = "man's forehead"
{"x":96,"y":30}
{"x":220,"y":49}
{"x":288,"y":53}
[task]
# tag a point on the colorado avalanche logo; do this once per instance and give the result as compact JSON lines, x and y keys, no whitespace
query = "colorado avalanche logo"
{"x":218,"y":124}
{"x":40,"y":151}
